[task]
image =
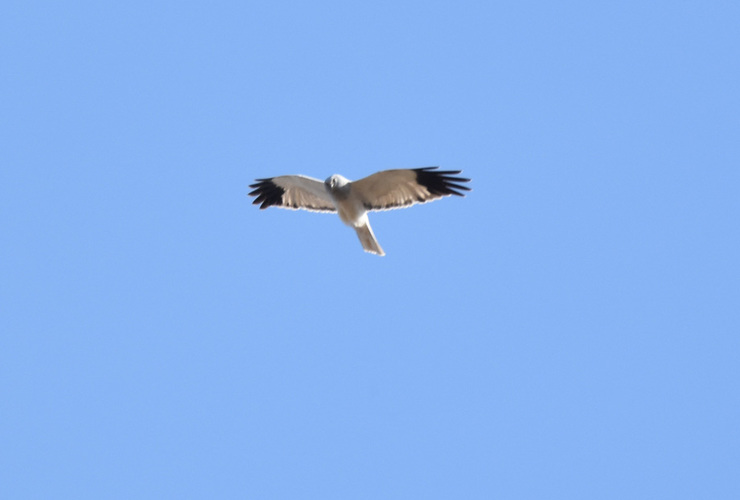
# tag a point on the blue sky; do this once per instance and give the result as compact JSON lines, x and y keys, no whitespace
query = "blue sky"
{"x":568,"y":330}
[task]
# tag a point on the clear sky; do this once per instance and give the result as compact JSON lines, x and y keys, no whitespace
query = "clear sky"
{"x":570,"y":329}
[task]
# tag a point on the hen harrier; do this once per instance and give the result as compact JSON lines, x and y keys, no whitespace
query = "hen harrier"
{"x":384,"y":190}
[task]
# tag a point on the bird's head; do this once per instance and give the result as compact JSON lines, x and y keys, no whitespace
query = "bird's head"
{"x":336,"y":182}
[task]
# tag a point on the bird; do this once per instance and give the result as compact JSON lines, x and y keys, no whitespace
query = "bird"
{"x":352,"y":200}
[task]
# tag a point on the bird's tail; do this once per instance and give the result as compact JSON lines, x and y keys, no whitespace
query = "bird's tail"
{"x":367,"y":238}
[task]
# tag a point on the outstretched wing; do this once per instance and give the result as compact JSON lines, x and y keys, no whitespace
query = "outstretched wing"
{"x":404,"y":187}
{"x":292,"y":191}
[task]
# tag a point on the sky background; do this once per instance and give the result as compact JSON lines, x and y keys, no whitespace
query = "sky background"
{"x":570,"y":329}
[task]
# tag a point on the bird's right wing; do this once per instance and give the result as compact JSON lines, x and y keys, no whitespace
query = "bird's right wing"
{"x":292,"y":191}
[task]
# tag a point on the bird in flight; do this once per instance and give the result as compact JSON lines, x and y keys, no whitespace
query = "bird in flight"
{"x":353,"y":200}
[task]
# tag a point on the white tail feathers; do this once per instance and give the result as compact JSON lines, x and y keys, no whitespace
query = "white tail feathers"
{"x":367,"y":238}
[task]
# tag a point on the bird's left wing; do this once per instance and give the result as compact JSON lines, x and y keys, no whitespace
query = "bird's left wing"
{"x":403,"y":187}
{"x":292,"y":191}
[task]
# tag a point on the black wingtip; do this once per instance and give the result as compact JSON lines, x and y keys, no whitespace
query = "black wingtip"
{"x":441,"y":182}
{"x":267,"y":193}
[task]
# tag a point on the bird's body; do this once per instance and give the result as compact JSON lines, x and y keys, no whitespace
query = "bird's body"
{"x":352,"y":200}
{"x":352,"y":212}
{"x":349,"y":208}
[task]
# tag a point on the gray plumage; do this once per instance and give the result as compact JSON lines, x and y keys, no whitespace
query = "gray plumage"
{"x":353,"y":200}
